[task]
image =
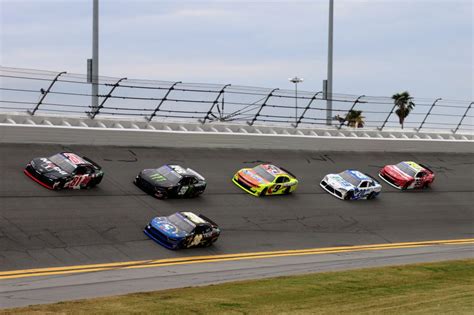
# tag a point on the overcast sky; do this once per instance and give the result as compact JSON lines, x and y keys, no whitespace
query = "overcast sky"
{"x":380,"y":46}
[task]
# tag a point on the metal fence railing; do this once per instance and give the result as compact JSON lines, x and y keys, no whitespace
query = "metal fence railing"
{"x":37,"y":91}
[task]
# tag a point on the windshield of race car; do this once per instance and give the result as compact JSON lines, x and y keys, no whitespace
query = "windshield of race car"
{"x":264,"y":173}
{"x":349,"y":178}
{"x":63,"y":163}
{"x":405,"y":168}
{"x":169,"y":174}
{"x":181,"y":223}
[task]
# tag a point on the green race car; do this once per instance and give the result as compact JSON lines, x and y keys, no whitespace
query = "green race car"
{"x":265,"y":179}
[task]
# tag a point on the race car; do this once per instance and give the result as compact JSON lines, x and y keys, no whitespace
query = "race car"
{"x":265,"y":179}
{"x":407,"y":175}
{"x":171,"y":181}
{"x":351,"y":185}
{"x":64,"y":170}
{"x":183,"y":230}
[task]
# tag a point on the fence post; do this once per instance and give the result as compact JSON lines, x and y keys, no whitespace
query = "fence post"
{"x":462,"y":118}
{"x":33,"y":111}
{"x":260,"y":109}
{"x":386,"y":119}
{"x":216,"y":101}
{"x":352,"y":107}
{"x":162,"y":101}
{"x":427,"y":114}
{"x":114,"y":86}
{"x":306,"y":109}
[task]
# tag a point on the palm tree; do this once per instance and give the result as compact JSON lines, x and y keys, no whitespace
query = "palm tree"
{"x":404,"y":104}
{"x":355,"y":119}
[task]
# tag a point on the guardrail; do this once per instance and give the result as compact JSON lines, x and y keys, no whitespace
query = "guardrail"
{"x":46,"y":92}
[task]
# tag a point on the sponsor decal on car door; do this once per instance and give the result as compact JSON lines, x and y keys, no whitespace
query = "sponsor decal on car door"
{"x":78,"y":181}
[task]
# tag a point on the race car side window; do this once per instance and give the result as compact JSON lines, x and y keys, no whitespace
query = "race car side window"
{"x":363,"y":184}
{"x":282,"y":179}
{"x":199,"y":229}
{"x":186,"y":181}
{"x":80,"y":170}
{"x":420,"y":174}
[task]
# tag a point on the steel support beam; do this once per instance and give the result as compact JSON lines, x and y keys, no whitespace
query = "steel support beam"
{"x":306,"y":109}
{"x":162,"y":101}
{"x":462,"y":118}
{"x":44,"y":93}
{"x":250,"y":123}
{"x":95,"y":112}
{"x":330,"y":59}
{"x":427,"y":114}
{"x":216,"y":102}
{"x":95,"y":56}
{"x":352,"y":107}
{"x":386,"y":119}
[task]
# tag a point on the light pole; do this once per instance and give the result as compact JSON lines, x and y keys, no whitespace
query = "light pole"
{"x":296,"y":80}
{"x":330,"y":54}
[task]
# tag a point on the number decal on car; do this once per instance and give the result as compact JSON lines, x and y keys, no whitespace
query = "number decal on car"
{"x":77,"y":181}
{"x":183,"y":190}
{"x":196,"y":240}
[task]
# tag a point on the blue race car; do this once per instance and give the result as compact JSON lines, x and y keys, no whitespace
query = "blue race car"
{"x":351,"y":185}
{"x":183,"y":230}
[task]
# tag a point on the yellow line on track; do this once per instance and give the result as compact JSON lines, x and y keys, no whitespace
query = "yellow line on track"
{"x":14,"y":274}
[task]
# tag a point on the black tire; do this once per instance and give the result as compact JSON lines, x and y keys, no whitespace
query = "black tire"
{"x":371,"y":196}
{"x":405,"y":187}
{"x":207,"y":243}
{"x":287,"y":191}
{"x":160,"y":194}
{"x":263,"y":192}
{"x":349,"y":195}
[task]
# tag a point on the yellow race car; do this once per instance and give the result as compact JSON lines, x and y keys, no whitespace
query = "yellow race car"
{"x":265,"y":179}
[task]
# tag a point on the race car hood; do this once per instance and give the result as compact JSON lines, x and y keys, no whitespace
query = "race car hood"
{"x":47,"y":168}
{"x":154,"y":177}
{"x":337,"y":182}
{"x":252,"y":177}
{"x":167,"y":228}
{"x":395,"y":172}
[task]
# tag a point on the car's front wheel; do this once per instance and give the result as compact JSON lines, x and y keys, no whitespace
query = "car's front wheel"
{"x":263,"y":192}
{"x":160,"y":194}
{"x":349,"y":195}
{"x":371,"y":196}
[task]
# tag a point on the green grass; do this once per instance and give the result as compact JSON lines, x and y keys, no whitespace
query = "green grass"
{"x":436,"y":288}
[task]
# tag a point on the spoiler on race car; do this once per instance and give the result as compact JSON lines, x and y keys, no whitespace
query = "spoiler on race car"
{"x":202,"y":216}
{"x":426,"y":167}
{"x":92,"y":162}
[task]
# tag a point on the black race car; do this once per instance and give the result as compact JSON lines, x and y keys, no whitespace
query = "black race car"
{"x":183,"y":230}
{"x":64,"y":170}
{"x":171,"y":181}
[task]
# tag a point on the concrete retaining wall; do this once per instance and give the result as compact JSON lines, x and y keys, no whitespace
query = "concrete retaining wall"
{"x":160,"y":138}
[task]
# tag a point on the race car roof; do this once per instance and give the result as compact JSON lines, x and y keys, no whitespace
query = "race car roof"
{"x":74,"y":158}
{"x":357,"y":175}
{"x":193,"y":217}
{"x":181,"y":171}
{"x":274,"y":170}
{"x":414,"y":166}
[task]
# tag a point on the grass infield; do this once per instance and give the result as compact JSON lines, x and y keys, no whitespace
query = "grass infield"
{"x":435,"y":288}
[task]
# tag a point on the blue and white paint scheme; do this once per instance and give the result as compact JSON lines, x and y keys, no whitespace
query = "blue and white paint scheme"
{"x":351,"y":185}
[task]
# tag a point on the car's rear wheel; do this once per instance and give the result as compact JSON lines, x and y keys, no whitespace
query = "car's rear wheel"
{"x":263,"y":192}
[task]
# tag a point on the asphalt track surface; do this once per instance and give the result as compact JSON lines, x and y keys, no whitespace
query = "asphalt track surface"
{"x":43,"y":228}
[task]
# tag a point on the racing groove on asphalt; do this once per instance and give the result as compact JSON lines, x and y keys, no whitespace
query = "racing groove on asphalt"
{"x":42,"y":228}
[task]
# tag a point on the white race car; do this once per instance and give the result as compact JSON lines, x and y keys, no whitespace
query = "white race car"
{"x":351,"y":185}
